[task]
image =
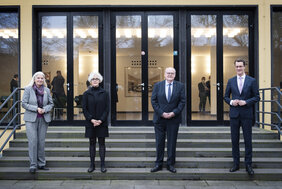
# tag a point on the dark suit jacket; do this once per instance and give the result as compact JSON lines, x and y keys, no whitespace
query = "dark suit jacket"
{"x":202,"y":89}
{"x":249,"y":93}
{"x":161,"y":105}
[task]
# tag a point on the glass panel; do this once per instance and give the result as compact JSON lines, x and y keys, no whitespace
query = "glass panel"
{"x":54,"y":63}
{"x":276,"y":60}
{"x":160,"y":48}
{"x":235,"y":45}
{"x":85,"y":38}
{"x":203,"y":68}
{"x":128,"y":68}
{"x":8,"y":58}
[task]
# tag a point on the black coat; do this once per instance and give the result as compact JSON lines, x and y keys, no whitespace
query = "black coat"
{"x":95,"y":105}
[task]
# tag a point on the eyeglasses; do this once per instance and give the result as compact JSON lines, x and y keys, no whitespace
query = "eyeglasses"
{"x":170,"y":73}
{"x":95,"y":79}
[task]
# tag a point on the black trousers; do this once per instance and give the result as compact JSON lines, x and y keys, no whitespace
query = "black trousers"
{"x":235,"y":138}
{"x":169,"y":128}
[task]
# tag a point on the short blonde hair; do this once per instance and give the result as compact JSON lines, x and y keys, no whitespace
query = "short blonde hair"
{"x":33,"y":79}
{"x":95,"y":74}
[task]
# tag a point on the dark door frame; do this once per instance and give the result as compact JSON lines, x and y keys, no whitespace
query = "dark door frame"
{"x":219,"y":58}
{"x":144,"y":63}
{"x":69,"y":55}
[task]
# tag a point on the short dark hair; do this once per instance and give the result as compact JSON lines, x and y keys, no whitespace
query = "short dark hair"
{"x":59,"y":72}
{"x":240,"y":60}
{"x":16,"y":76}
{"x":203,"y":78}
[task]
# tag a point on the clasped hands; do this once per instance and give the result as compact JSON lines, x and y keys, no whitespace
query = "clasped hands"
{"x":168,"y":115}
{"x":96,"y":122}
{"x":40,"y":110}
{"x":237,"y":102}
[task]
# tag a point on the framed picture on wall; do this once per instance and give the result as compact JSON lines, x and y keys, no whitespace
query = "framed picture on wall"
{"x":133,"y":80}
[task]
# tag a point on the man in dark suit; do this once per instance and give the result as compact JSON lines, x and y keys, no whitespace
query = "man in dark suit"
{"x":168,"y":100}
{"x":202,"y":94}
{"x":245,"y":94}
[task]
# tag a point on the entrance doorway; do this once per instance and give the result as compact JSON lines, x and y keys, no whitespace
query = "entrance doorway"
{"x":70,"y":46}
{"x":216,"y":41}
{"x":144,"y":44}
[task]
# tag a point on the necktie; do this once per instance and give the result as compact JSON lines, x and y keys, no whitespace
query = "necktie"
{"x":169,"y":92}
{"x":240,"y":84}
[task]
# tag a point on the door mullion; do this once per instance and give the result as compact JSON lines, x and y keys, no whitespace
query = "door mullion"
{"x":144,"y":68}
{"x":219,"y":56}
{"x":69,"y":67}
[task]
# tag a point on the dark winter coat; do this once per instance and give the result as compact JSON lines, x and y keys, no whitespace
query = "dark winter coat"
{"x":95,"y":105}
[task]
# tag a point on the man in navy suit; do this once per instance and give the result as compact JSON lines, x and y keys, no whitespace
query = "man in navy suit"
{"x":245,"y":94}
{"x":168,"y":101}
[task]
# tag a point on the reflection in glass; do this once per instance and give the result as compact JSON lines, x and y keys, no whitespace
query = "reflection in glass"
{"x":8,"y":56}
{"x":128,"y":68}
{"x":85,"y":38}
{"x":276,"y":61}
{"x":235,"y":45}
{"x":203,"y":67}
{"x":54,"y":62}
{"x":160,"y":48}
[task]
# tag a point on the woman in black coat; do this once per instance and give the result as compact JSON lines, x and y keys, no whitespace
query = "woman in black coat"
{"x":95,"y":106}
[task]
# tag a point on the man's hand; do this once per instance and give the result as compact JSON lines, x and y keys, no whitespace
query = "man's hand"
{"x":168,"y":115}
{"x":235,"y":102}
{"x":242,"y":103}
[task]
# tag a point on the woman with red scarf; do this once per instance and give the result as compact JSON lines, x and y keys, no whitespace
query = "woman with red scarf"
{"x":38,"y":103}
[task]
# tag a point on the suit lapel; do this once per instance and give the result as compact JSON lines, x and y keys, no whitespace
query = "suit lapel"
{"x":163,"y":89}
{"x":245,"y":83}
{"x":174,"y":89}
{"x":237,"y":84}
{"x":32,"y":93}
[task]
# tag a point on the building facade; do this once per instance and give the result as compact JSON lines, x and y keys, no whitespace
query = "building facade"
{"x":131,"y":44}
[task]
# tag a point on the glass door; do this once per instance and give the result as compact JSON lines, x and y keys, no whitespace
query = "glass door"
{"x":144,"y":48}
{"x":70,"y":50}
{"x":54,"y":62}
{"x":217,"y":40}
{"x":85,"y":57}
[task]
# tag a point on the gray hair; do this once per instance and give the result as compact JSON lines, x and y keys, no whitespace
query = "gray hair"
{"x":95,"y":74}
{"x":33,"y":79}
{"x":170,"y":68}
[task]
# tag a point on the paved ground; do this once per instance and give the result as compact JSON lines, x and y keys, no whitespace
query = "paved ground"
{"x":138,"y":184}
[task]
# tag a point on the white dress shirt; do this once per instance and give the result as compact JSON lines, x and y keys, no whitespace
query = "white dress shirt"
{"x":238,"y":83}
{"x":166,"y":89}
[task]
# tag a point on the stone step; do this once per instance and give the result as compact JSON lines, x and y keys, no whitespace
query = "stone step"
{"x":189,"y":143}
{"x":141,"y":162}
{"x":150,"y":128}
{"x":144,"y":152}
{"x":139,"y":174}
{"x":149,"y":134}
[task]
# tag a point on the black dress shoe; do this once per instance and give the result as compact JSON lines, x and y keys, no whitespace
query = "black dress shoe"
{"x":91,"y":169}
{"x":103,"y":169}
{"x":250,"y":170}
{"x":32,"y":170}
{"x":43,"y":168}
{"x":234,"y":168}
{"x":171,"y":168}
{"x":156,"y":169}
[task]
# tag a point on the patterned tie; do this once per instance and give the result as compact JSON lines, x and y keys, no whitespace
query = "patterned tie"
{"x":240,"y":84}
{"x":169,"y":92}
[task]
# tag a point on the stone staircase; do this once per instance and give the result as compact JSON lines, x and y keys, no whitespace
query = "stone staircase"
{"x":202,"y":153}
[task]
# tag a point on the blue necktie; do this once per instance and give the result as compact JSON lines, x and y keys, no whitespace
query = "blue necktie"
{"x":169,"y":92}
